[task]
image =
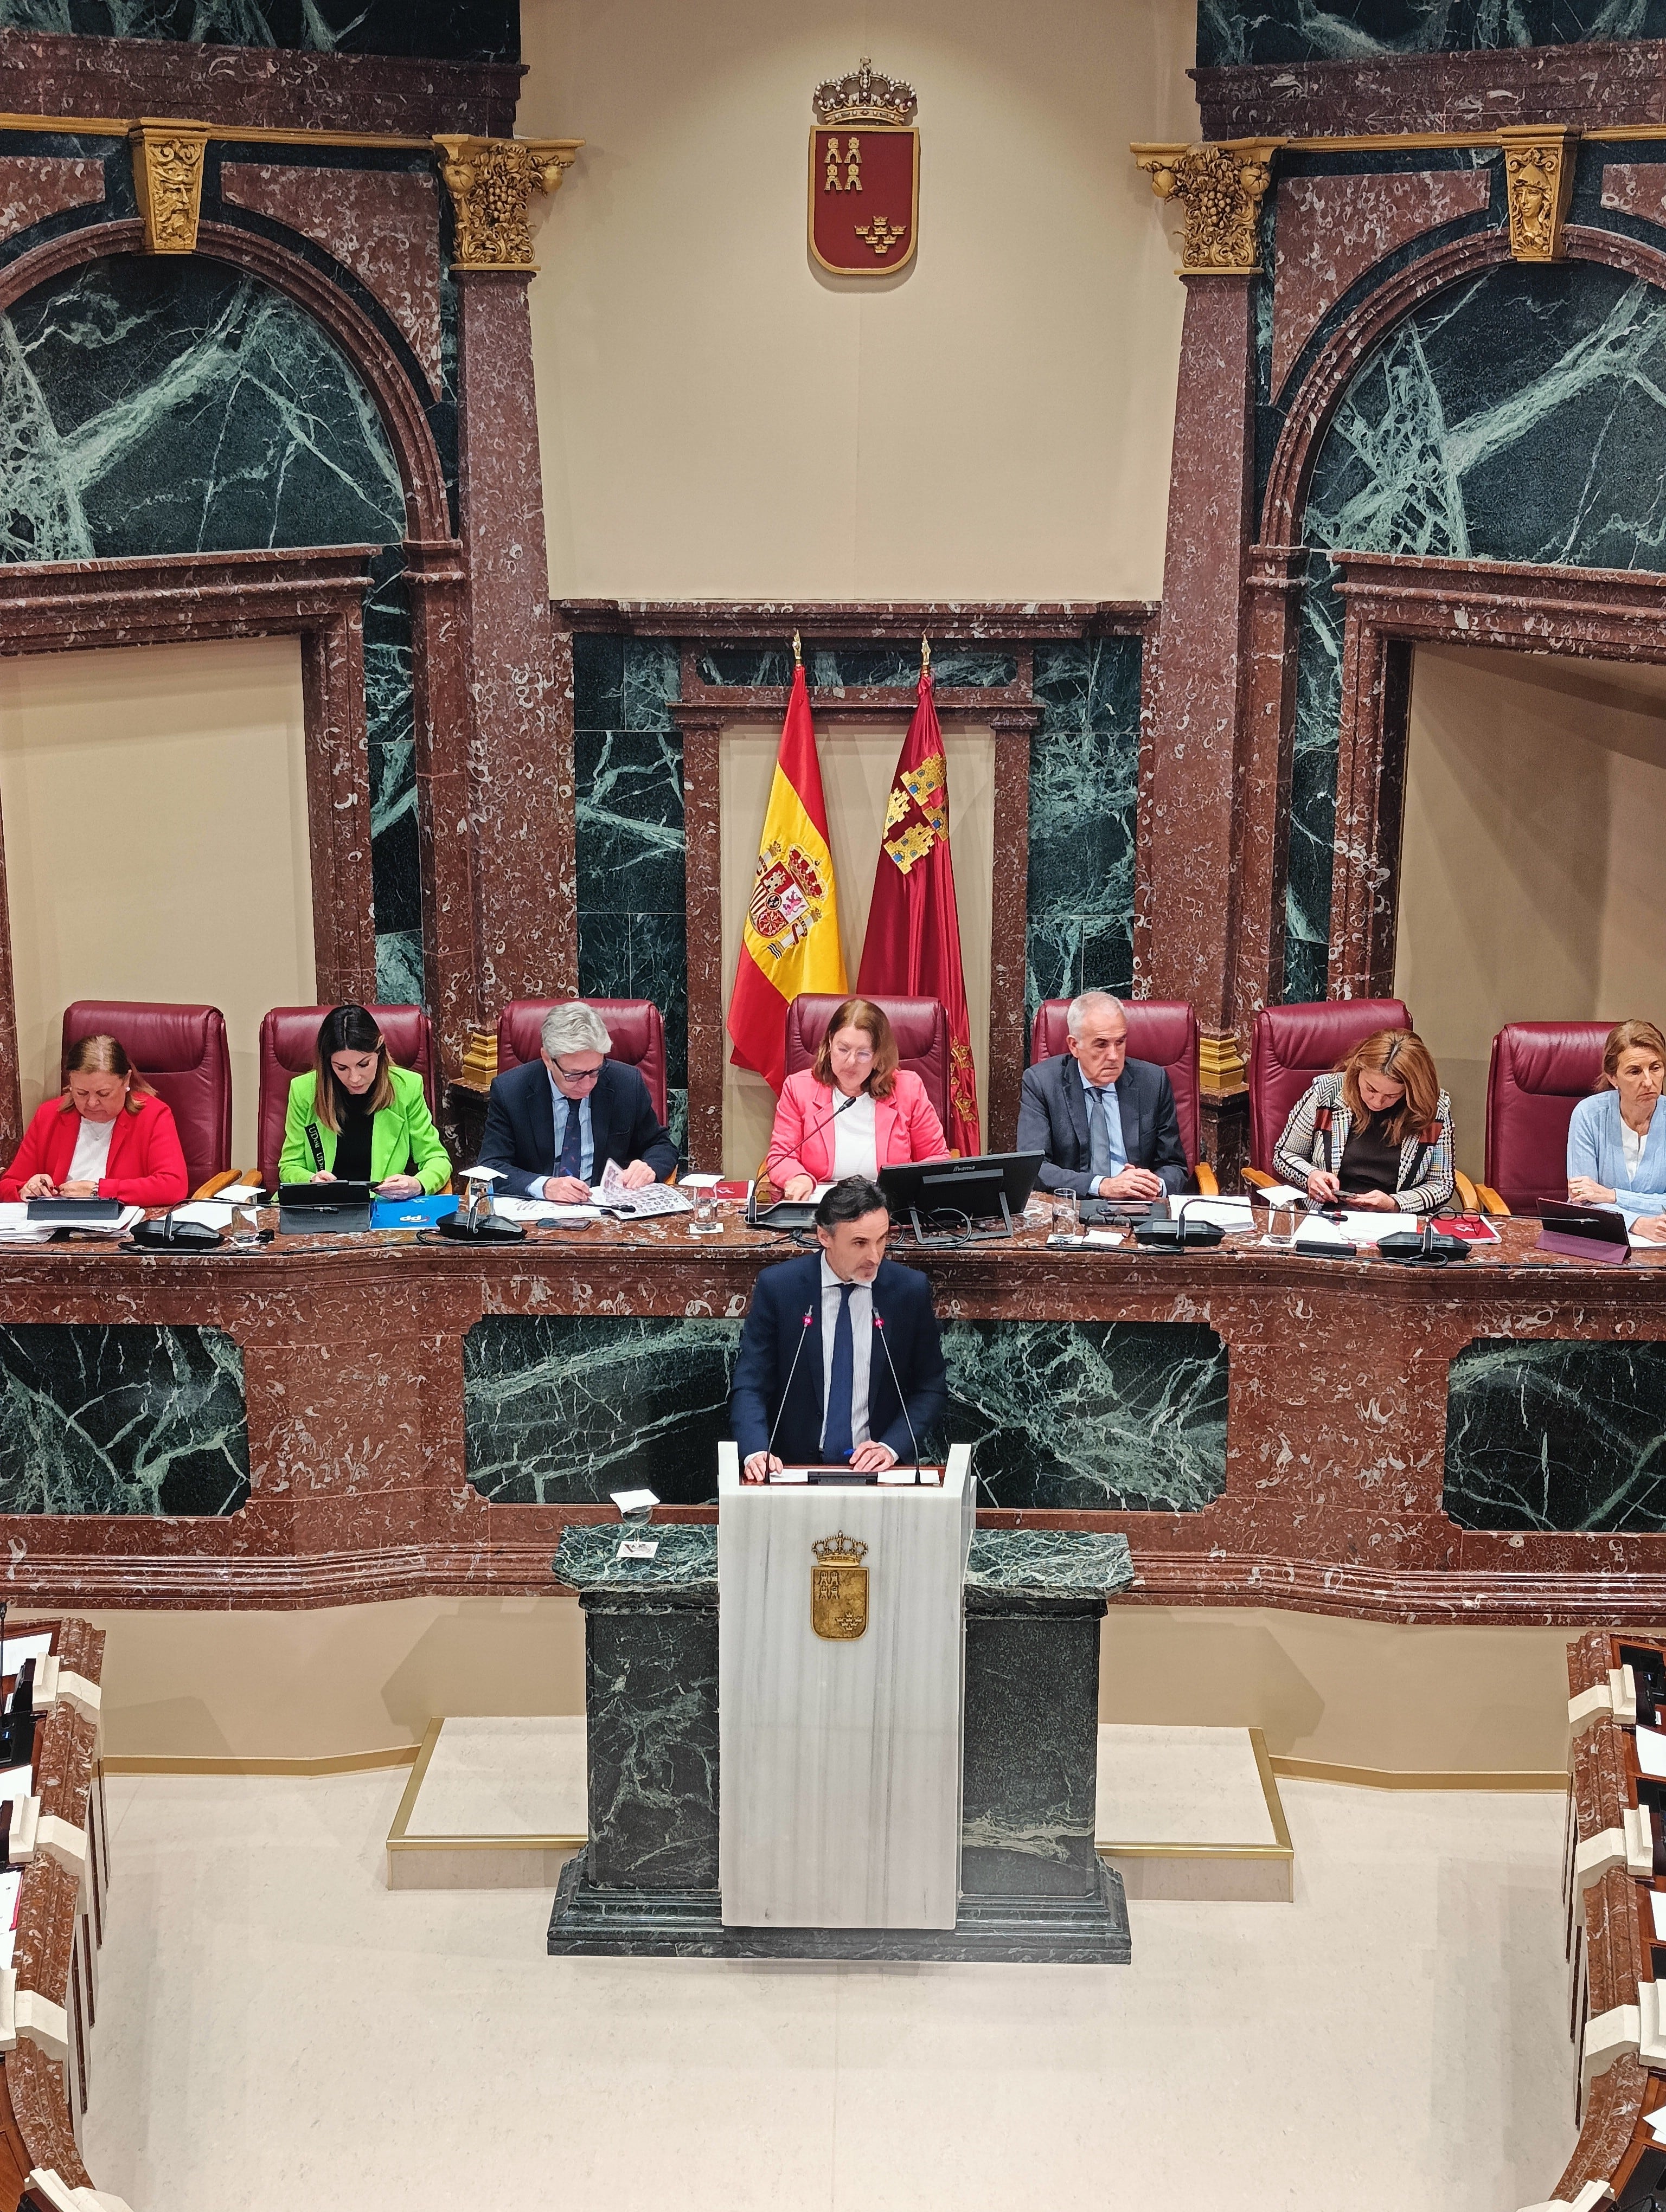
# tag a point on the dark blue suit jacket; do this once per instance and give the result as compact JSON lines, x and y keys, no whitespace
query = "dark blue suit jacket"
{"x":774,"y":1330}
{"x":520,"y":1126}
{"x":1053,"y":1119}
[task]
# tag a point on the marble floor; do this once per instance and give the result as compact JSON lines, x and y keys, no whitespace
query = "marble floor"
{"x":276,"y":2027}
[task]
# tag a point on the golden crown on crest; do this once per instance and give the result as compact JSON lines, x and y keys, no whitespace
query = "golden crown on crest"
{"x":864,"y":96}
{"x":840,"y":1551}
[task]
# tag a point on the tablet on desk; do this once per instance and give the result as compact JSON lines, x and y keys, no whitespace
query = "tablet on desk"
{"x":322,"y":1209}
{"x":1584,"y":1232}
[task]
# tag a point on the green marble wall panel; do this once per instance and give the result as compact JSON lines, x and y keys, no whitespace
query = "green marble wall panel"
{"x":1557,"y":1436}
{"x":126,"y":1420}
{"x":1084,"y":791}
{"x":450,"y":30}
{"x":1357,"y":30}
{"x":1120,"y":1416}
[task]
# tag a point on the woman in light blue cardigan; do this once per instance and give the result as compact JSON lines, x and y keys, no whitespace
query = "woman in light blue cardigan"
{"x":1616,"y":1141}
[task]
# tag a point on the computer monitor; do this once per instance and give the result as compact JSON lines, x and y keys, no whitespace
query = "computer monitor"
{"x":941,"y":1199}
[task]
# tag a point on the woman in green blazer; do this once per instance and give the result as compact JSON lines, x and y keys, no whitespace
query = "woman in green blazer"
{"x":356,"y":1118}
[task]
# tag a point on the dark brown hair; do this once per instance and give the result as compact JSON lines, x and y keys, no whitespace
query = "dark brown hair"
{"x":860,"y":1014}
{"x":103,"y":1056}
{"x":348,"y":1028}
{"x":1403,"y":1058}
{"x":1621,"y":1038}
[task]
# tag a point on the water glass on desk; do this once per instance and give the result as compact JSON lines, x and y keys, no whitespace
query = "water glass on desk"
{"x":1283,"y":1217}
{"x":246,"y":1225}
{"x":703,"y":1221}
{"x":1067,"y":1217}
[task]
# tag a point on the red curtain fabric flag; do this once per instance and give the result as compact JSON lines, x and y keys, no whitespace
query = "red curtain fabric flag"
{"x":912,"y":949}
{"x":789,"y":941}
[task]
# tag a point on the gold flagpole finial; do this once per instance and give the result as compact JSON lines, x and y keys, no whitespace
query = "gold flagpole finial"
{"x":797,"y":656}
{"x":925,"y":652}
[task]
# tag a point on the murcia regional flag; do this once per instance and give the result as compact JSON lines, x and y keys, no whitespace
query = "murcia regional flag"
{"x":790,"y":940}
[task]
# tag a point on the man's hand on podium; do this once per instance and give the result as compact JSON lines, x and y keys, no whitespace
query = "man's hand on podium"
{"x":758,"y":1465}
{"x":872,"y":1458}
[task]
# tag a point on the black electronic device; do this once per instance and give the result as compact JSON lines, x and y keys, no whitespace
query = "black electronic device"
{"x":322,"y":1209}
{"x":1115,"y":1212}
{"x":1584,"y":1232}
{"x":836,"y":1476}
{"x":935,"y":1195}
{"x":1422,"y":1247}
{"x":1172,"y":1232}
{"x":480,"y":1228}
{"x":75,"y":1212}
{"x":171,"y":1235}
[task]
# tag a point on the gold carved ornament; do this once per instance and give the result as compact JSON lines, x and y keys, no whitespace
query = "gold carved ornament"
{"x":838,"y":1588}
{"x":1538,"y":171}
{"x":1221,"y":188}
{"x":168,"y":181}
{"x":492,"y":182}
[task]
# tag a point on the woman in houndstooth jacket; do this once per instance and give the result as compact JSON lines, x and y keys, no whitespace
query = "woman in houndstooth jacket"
{"x":1377,"y":1132}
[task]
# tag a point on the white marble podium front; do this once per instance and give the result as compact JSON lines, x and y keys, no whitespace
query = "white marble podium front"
{"x":840,"y":1757}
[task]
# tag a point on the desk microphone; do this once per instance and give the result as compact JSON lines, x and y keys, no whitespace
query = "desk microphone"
{"x":1172,"y":1235}
{"x":815,"y":1130}
{"x":792,"y":1368}
{"x":896,"y":1381}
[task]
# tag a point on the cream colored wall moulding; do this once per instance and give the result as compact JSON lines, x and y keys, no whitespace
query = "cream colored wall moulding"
{"x":168,"y":177}
{"x":492,"y":182}
{"x":1220,"y":186}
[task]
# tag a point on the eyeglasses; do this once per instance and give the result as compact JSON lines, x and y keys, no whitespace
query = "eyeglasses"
{"x":578,"y":1074}
{"x":856,"y":1052}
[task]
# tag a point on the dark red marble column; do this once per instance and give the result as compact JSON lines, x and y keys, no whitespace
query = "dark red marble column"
{"x":1188,"y":900}
{"x":521,"y":765}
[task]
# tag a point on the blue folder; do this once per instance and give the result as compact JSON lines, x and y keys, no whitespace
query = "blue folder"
{"x":413,"y":1213}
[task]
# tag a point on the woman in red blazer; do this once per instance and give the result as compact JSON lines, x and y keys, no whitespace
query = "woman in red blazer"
{"x":108,"y":1136}
{"x":883,"y":1119}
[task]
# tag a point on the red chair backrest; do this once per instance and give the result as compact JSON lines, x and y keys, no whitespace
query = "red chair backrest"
{"x":1293,"y":1044}
{"x":1540,"y":1072}
{"x":1161,"y":1030}
{"x":920,"y":1026}
{"x":288,"y":1038}
{"x":636,"y":1025}
{"x":181,"y":1053}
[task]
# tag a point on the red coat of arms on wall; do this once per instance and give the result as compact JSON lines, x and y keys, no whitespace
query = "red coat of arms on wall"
{"x":864,"y":174}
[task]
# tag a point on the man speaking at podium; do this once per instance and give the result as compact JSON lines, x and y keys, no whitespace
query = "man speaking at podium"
{"x":840,"y":1358}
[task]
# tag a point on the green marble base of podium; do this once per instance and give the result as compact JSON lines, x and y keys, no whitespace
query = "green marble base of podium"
{"x":1033,"y":1888}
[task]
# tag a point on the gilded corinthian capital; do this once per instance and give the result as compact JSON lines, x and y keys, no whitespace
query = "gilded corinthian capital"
{"x":492,"y":182}
{"x":1220,"y":186}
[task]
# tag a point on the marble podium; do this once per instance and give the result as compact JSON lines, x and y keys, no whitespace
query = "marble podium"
{"x":1032,"y":1886}
{"x":839,"y":1716}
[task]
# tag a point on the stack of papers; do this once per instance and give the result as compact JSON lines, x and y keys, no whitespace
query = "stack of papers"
{"x":16,"y":1227}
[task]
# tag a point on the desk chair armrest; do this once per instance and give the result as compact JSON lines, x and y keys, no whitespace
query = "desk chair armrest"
{"x":1491,"y":1202}
{"x":219,"y":1182}
{"x":1259,"y":1179}
{"x":1204,"y":1177}
{"x":1464,"y":1191}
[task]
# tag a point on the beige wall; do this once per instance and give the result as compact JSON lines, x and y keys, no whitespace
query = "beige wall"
{"x":857,"y":766}
{"x":153,"y":803}
{"x":355,"y":1678}
{"x":721,"y":417}
{"x":1536,"y":812}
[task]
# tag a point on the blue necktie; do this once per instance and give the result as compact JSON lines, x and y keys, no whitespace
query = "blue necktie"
{"x":568,"y":1165}
{"x":835,"y":1430}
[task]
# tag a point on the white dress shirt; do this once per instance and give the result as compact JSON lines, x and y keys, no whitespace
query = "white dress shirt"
{"x":861,"y":1346}
{"x":92,"y":1152}
{"x":855,"y":1145}
{"x":1633,"y":1141}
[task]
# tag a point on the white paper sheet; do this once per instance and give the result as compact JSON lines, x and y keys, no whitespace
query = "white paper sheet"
{"x":21,"y":1648}
{"x":208,"y":1211}
{"x":1651,"y":1752}
{"x":11,"y":1889}
{"x":1226,"y":1213}
{"x":1364,"y":1227}
{"x":542,"y":1209}
{"x":1108,"y":1235}
{"x":236,"y":1194}
{"x":1657,"y":1906}
{"x":16,"y":1784}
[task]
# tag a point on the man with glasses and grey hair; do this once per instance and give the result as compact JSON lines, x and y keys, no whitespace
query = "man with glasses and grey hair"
{"x":1105,"y":1124}
{"x":552,"y":1126}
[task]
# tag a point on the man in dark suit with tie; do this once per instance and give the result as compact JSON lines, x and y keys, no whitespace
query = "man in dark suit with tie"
{"x":553,"y":1125}
{"x":1105,"y":1124}
{"x":840,"y":1357}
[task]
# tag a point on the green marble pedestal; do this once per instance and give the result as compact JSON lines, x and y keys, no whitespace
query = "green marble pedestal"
{"x":1033,"y":1889}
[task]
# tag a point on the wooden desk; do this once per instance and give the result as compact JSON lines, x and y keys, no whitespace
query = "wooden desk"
{"x":321,"y":1422}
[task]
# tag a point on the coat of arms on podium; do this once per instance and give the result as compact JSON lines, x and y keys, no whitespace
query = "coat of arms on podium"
{"x":864,"y":174}
{"x":838,"y":1588}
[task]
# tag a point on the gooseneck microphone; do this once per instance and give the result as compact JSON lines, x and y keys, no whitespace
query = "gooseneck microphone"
{"x":791,"y":1370}
{"x":1170,"y":1235}
{"x":814,"y":1130}
{"x":896,"y":1380}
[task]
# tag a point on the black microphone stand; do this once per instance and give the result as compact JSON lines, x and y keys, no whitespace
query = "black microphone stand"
{"x":897,"y":1381}
{"x":791,"y":1370}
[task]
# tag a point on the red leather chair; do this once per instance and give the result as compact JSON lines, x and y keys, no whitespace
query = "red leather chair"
{"x":635,"y":1026}
{"x":288,"y":1038}
{"x":1291,"y":1045}
{"x":920,"y":1026}
{"x":1540,"y":1072}
{"x":1161,"y":1030}
{"x":181,"y":1052}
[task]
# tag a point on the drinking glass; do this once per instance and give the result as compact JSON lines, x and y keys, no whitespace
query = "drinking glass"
{"x":1067,"y":1219}
{"x":1284,"y":1219}
{"x":246,"y":1225}
{"x":703,"y":1221}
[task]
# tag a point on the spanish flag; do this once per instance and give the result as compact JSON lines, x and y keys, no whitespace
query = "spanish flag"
{"x":790,"y":941}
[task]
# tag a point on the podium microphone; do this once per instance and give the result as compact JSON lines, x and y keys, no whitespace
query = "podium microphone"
{"x":1171,"y":1236}
{"x":793,"y":1368}
{"x":814,"y":1130}
{"x":896,"y":1381}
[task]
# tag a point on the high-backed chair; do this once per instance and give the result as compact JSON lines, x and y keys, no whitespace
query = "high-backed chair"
{"x":181,"y":1052}
{"x":636,"y":1025}
{"x":1293,"y":1044}
{"x":1161,"y":1030}
{"x":288,"y":1037}
{"x":1540,"y":1072}
{"x":920,"y":1026}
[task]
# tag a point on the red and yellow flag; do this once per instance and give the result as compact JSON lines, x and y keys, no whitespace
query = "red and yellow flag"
{"x":912,"y":949}
{"x":790,"y":940}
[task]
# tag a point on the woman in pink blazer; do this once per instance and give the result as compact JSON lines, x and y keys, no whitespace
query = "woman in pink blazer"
{"x":108,"y":1136}
{"x":853,"y":1110}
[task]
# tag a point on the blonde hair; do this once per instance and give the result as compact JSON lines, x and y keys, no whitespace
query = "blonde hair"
{"x":860,"y":1014}
{"x":103,"y":1055}
{"x":1402,"y":1057}
{"x":1621,"y":1038}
